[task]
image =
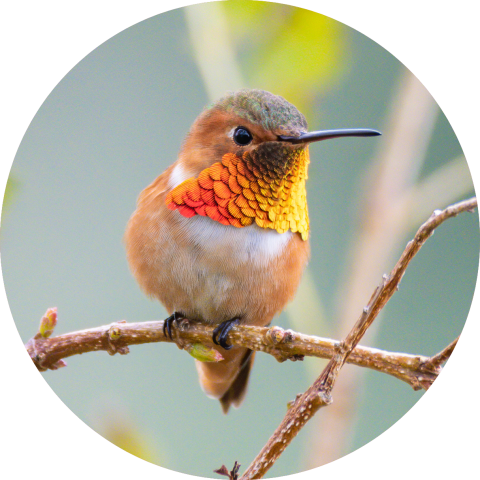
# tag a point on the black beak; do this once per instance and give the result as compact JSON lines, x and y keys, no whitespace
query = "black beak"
{"x":310,"y":137}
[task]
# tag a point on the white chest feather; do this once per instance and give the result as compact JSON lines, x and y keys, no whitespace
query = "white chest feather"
{"x":247,"y":244}
{"x":226,"y":266}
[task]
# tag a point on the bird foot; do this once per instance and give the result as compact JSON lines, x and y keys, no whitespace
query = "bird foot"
{"x":167,"y":323}
{"x":220,"y":334}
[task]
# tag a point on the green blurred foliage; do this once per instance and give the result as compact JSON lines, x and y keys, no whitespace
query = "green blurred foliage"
{"x":10,"y":192}
{"x":292,"y":50}
{"x":126,"y":434}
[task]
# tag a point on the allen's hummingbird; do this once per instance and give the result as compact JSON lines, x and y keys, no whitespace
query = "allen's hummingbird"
{"x":221,"y":237}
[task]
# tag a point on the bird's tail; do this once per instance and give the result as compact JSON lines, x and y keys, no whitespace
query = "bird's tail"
{"x":227,"y":380}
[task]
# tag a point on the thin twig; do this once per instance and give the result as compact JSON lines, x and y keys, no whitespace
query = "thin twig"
{"x":46,"y":353}
{"x":319,"y":394}
{"x":383,"y":218}
{"x":441,"y":357}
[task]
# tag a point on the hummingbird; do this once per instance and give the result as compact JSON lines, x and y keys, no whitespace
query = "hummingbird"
{"x":221,"y":237}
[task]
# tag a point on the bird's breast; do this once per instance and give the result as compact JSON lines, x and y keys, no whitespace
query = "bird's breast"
{"x":210,"y":271}
{"x":249,"y":246}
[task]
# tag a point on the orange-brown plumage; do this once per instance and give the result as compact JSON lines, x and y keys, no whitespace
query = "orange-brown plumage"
{"x":222,"y":233}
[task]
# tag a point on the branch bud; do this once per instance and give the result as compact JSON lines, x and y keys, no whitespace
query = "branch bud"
{"x":48,"y":322}
{"x":205,"y":354}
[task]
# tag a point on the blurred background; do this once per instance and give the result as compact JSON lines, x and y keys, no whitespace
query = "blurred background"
{"x":117,"y":120}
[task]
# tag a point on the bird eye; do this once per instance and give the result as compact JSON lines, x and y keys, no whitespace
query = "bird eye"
{"x":242,"y":136}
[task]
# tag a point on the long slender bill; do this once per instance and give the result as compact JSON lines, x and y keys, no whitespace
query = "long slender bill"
{"x":310,"y":137}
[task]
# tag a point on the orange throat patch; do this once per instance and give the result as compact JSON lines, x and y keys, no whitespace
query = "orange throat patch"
{"x":238,"y":191}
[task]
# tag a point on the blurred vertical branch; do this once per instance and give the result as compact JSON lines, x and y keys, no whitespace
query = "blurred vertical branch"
{"x":394,"y":203}
{"x":219,"y":68}
{"x":391,"y":208}
{"x":221,"y":72}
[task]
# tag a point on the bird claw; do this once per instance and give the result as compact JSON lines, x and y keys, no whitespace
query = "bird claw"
{"x":167,"y":323}
{"x":222,"y":332}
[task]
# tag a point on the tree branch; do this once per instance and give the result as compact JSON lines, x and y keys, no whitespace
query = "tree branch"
{"x":418,"y":371}
{"x":319,"y":394}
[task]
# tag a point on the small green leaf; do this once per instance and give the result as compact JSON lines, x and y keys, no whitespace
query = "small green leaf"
{"x":203,"y":353}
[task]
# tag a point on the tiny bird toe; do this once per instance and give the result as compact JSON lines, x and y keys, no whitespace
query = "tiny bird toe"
{"x":220,"y":333}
